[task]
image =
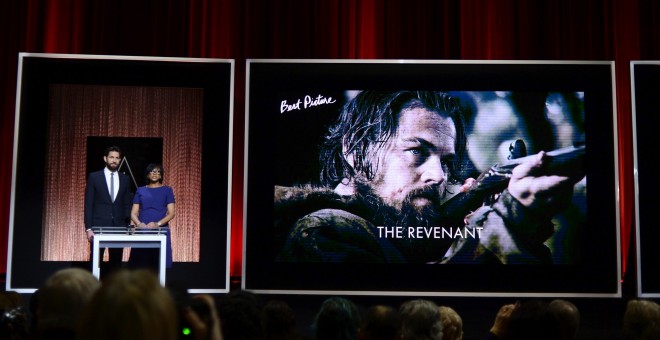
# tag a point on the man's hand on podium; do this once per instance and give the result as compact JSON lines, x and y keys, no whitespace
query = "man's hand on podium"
{"x":90,"y":235}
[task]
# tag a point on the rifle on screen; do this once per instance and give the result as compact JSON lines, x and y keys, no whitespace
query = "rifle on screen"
{"x":564,"y":161}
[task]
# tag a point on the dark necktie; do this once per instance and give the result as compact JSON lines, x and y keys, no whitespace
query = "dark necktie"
{"x":112,"y":186}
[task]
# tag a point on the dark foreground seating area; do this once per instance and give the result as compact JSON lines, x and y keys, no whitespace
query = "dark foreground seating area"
{"x":131,"y":304}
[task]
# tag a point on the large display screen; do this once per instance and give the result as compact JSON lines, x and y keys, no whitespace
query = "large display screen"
{"x":431,"y":178}
{"x":645,"y":84}
{"x":176,"y":112}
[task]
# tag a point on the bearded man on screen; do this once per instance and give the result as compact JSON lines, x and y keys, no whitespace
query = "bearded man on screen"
{"x":389,"y":163}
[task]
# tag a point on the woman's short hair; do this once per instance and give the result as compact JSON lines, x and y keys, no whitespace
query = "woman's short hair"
{"x":151,"y":167}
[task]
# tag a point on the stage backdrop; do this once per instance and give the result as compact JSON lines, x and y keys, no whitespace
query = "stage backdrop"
{"x":619,"y":30}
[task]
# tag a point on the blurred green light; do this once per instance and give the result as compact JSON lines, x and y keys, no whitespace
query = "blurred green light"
{"x":186,"y":331}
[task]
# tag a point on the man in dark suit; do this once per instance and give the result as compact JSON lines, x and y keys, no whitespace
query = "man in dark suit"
{"x":108,"y":201}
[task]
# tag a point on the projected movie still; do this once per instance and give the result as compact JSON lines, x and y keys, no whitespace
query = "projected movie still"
{"x":391,"y":171}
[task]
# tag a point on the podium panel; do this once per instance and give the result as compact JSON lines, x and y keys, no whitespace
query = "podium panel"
{"x":119,"y":237}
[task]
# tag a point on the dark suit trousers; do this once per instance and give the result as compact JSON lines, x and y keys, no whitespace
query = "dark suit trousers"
{"x":114,"y":260}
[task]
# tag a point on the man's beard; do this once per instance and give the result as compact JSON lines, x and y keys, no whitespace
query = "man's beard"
{"x":408,"y":216}
{"x":112,"y":167}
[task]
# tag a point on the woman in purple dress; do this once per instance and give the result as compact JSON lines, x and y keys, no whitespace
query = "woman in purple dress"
{"x":153,"y":207}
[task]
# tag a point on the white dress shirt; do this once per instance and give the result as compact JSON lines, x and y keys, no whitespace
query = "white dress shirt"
{"x":116,"y":180}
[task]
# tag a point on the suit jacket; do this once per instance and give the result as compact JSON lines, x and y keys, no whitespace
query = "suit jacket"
{"x":100,"y":210}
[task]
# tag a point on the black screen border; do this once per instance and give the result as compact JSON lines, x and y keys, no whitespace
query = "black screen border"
{"x":595,"y":78}
{"x":36,"y":71}
{"x":645,"y":86}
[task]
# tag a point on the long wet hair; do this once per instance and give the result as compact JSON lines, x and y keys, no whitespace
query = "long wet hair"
{"x":368,"y":122}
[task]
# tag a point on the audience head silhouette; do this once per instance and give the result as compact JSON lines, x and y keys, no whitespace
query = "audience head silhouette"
{"x":241,"y":316}
{"x":641,"y":320}
{"x":337,"y":319}
{"x":14,"y":318}
{"x":279,"y":321}
{"x":130,"y":305}
{"x":452,"y":324}
{"x":533,"y":319}
{"x":380,"y":322}
{"x":62,"y":299}
{"x":568,"y":316}
{"x":420,"y":320}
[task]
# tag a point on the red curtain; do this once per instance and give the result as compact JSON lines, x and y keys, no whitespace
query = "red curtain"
{"x":619,"y":30}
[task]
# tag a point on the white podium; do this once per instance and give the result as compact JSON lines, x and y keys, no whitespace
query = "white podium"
{"x":138,"y":239}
